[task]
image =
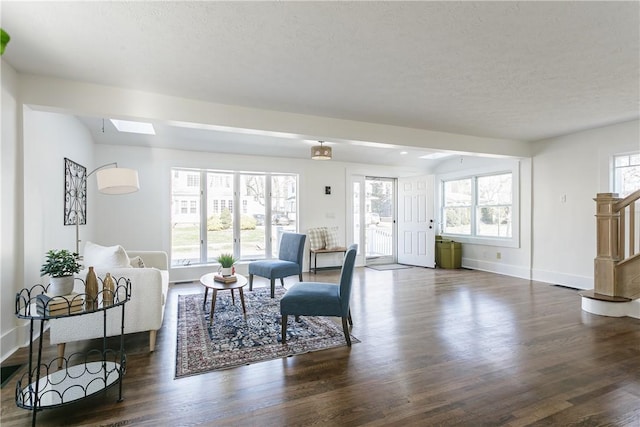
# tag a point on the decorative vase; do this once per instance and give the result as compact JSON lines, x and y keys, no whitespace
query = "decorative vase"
{"x":91,"y":290}
{"x":108,"y":290}
{"x":60,"y":286}
{"x":226,"y":271}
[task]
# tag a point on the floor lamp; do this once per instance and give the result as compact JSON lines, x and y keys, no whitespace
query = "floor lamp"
{"x":111,"y":180}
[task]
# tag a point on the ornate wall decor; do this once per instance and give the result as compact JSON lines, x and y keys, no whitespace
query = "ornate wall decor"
{"x":75,"y":193}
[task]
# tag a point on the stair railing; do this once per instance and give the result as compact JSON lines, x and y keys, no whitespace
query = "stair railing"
{"x":617,"y":231}
{"x":628,"y":219}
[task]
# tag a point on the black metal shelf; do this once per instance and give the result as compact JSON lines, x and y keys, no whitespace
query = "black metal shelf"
{"x":83,"y":374}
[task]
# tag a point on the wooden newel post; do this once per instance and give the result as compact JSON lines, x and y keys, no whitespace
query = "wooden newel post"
{"x":607,"y":236}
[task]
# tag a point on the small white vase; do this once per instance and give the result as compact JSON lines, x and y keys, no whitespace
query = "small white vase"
{"x":60,"y":286}
{"x":226,"y":271}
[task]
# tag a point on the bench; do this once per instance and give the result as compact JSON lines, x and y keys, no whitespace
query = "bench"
{"x":315,"y":252}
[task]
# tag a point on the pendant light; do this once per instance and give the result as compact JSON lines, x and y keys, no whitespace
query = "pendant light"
{"x":320,"y":152}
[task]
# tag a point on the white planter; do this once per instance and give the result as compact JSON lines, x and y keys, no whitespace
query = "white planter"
{"x":226,"y":271}
{"x":59,"y":286}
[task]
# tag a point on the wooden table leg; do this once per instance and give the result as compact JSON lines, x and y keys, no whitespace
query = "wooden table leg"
{"x":233,"y":298}
{"x":204,"y":303}
{"x":244,"y":308}
{"x":213,"y":305}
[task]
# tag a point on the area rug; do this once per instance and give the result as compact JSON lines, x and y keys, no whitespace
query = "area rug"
{"x":231,"y":341}
{"x":383,"y":267}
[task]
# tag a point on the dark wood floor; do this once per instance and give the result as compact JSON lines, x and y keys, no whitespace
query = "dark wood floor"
{"x":439,"y":347}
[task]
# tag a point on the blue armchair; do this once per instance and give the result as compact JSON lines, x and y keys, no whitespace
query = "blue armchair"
{"x":289,"y":262}
{"x":322,"y":299}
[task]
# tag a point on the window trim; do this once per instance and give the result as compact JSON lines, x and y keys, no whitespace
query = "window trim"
{"x":613,"y":167}
{"x":509,"y":242}
{"x":235,"y":201}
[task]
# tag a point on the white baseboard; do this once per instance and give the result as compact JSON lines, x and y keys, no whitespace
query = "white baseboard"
{"x":496,"y":267}
{"x":570,"y":280}
{"x":17,"y":337}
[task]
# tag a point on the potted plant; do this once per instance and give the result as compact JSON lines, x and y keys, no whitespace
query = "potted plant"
{"x":226,"y":261}
{"x":4,"y":39}
{"x":60,"y":265}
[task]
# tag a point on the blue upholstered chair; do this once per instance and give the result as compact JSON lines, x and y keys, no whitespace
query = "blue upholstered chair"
{"x":289,"y":262}
{"x":322,"y":299}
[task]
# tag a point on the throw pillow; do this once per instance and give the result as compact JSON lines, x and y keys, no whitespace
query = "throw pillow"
{"x":136,"y":262}
{"x":331,"y":238}
{"x":316,"y":238}
{"x":105,"y":256}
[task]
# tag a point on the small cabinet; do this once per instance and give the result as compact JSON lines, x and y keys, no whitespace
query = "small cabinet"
{"x":82,"y":375}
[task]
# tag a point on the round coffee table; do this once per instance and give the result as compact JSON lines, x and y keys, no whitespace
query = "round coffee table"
{"x":209,"y":283}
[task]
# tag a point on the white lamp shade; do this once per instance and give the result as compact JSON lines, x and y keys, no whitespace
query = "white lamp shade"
{"x":117,"y":181}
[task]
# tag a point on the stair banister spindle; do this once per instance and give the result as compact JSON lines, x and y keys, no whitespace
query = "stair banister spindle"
{"x":621,"y":233}
{"x":632,"y":229}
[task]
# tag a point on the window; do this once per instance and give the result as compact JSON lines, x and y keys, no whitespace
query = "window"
{"x":193,"y":180}
{"x":268,"y":208}
{"x":479,"y":206}
{"x":626,"y":174}
{"x":457,"y":206}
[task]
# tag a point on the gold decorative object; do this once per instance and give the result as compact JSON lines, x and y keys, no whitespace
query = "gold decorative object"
{"x":91,"y":289}
{"x":108,"y":290}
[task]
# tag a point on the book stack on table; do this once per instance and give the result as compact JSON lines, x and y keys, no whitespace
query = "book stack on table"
{"x":225,"y":279}
{"x":59,"y":305}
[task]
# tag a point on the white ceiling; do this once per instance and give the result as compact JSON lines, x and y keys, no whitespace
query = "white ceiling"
{"x":512,"y":70}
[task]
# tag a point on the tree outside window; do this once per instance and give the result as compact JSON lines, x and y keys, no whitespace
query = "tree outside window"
{"x":478,"y":206}
{"x":257,"y":236}
{"x":626,"y":174}
{"x":494,"y":205}
{"x":457,"y":206}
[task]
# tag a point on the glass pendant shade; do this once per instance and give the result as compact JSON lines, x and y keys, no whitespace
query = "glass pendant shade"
{"x":320,"y":152}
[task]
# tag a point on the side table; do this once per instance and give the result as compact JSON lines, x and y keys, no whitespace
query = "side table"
{"x":209,"y":282}
{"x":97,"y":370}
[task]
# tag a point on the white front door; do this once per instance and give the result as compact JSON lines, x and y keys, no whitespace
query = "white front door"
{"x":416,"y":225}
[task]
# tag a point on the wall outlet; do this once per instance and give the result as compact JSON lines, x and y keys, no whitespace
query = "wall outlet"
{"x":498,"y":255}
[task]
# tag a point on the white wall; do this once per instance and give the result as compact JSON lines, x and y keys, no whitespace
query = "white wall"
{"x":10,"y":210}
{"x":514,"y":261}
{"x":574,"y":166}
{"x":142,"y":220}
{"x":47,"y":139}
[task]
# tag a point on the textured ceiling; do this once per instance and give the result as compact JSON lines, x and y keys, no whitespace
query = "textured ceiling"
{"x":513,"y":70}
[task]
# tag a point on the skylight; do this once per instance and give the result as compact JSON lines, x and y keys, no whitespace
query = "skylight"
{"x":133,"y":127}
{"x":434,"y":156}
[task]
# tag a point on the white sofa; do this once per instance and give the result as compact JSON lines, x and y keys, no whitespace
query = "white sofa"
{"x":144,"y":311}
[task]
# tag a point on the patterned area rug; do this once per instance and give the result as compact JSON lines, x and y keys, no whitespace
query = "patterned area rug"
{"x":231,"y":341}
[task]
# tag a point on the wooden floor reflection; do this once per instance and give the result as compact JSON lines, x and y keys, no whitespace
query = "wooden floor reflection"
{"x":438,"y":347}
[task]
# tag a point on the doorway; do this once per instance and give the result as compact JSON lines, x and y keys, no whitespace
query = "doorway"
{"x":377,"y":214}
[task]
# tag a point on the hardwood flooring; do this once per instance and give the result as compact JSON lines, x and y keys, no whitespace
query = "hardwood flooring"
{"x":439,"y":347}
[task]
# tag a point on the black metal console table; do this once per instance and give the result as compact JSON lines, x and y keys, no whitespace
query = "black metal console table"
{"x":83,"y":374}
